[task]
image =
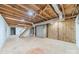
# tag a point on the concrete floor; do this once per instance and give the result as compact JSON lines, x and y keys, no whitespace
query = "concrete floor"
{"x":31,"y":45}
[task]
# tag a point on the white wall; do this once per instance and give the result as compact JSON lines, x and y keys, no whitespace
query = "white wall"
{"x":27,"y":33}
{"x":4,"y":31}
{"x":77,"y":31}
{"x":8,"y":30}
{"x":19,"y":30}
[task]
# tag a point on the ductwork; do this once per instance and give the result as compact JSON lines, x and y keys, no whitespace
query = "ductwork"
{"x":60,"y":14}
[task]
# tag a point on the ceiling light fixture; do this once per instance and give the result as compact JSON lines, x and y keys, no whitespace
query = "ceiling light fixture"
{"x":31,"y":13}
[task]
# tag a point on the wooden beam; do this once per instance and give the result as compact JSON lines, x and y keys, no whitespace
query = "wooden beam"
{"x":21,"y":12}
{"x":11,"y":11}
{"x":75,"y":7}
{"x":68,"y":17}
{"x":36,"y":7}
{"x":23,"y":33}
{"x":47,"y":22}
{"x":63,"y":11}
{"x":53,"y":10}
{"x":19,"y":20}
{"x":11,"y":16}
{"x":28,"y":9}
{"x":42,"y":10}
{"x":15,"y":9}
{"x":5,"y":13}
{"x":42,"y":17}
{"x":20,"y":26}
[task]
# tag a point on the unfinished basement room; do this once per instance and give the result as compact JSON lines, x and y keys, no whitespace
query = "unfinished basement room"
{"x":39,"y":28}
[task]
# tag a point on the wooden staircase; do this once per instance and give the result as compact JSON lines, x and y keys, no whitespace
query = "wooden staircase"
{"x":21,"y":35}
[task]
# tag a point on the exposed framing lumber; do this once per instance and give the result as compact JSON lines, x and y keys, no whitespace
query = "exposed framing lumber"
{"x":42,"y":10}
{"x":68,"y":17}
{"x":7,"y":12}
{"x":53,"y":10}
{"x":62,"y":7}
{"x":28,"y":9}
{"x":74,"y":9}
{"x":21,"y":12}
{"x":20,"y":26}
{"x":11,"y":11}
{"x":56,"y":8}
{"x":23,"y":32}
{"x":19,"y":20}
{"x":47,"y":22}
{"x":11,"y":16}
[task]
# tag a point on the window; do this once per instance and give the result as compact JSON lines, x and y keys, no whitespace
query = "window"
{"x":13,"y":31}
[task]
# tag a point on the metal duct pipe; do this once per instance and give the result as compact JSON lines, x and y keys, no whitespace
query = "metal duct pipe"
{"x":56,"y":8}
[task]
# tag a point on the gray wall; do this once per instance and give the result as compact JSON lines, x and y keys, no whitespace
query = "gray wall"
{"x":41,"y":31}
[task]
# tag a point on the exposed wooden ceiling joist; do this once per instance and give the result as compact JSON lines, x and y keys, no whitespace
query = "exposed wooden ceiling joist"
{"x":28,"y":9}
{"x":23,"y":21}
{"x":44,"y":12}
{"x":20,"y":12}
{"x":75,"y":7}
{"x":52,"y":10}
{"x":62,"y":8}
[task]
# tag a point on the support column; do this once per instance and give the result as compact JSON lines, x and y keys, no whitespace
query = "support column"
{"x":34,"y":31}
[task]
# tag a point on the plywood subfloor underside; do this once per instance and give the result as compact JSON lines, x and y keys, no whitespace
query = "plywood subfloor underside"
{"x":33,"y":45}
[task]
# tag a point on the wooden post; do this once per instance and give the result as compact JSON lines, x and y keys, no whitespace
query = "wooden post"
{"x":34,"y":31}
